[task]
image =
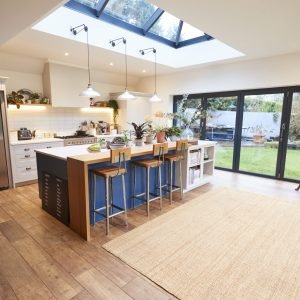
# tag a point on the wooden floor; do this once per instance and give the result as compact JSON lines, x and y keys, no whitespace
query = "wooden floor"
{"x":42,"y":259}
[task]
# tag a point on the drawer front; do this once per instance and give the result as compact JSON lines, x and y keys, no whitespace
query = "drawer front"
{"x":26,"y":163}
{"x":25,"y":157}
{"x":26,"y":173}
{"x":24,"y":149}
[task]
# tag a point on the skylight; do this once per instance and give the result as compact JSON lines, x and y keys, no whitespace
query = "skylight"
{"x":144,"y":18}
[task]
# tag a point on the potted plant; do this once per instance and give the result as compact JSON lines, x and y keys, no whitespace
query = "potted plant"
{"x":140,"y":131}
{"x":150,"y":135}
{"x":15,"y":98}
{"x":161,"y":134}
{"x":258,"y":134}
{"x":114,"y":105}
{"x":174,"y":133}
{"x":35,"y":98}
{"x":127,"y":138}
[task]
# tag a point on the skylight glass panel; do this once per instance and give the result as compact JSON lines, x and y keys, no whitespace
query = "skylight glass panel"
{"x":189,"y":32}
{"x":134,"y":12}
{"x":166,"y":27}
{"x":90,"y":3}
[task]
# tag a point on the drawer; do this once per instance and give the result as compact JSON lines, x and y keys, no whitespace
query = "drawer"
{"x":26,"y":173}
{"x":25,"y":156}
{"x":26,"y":163}
{"x":24,"y":149}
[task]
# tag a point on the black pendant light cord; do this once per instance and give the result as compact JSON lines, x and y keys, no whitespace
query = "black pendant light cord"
{"x":146,"y":51}
{"x":114,"y":43}
{"x":75,"y":31}
{"x":88,"y":51}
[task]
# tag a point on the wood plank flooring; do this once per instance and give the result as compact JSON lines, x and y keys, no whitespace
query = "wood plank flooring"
{"x":41,"y":258}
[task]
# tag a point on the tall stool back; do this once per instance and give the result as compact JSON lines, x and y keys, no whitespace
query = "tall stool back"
{"x":181,"y":147}
{"x":120,"y":156}
{"x":160,"y":150}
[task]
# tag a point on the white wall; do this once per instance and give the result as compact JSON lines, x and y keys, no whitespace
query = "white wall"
{"x":274,"y":71}
{"x":59,"y":119}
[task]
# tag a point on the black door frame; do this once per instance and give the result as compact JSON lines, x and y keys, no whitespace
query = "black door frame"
{"x":284,"y":125}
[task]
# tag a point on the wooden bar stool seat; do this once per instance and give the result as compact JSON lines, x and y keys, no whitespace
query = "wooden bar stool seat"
{"x":159,"y":151}
{"x":119,"y":156}
{"x":109,"y":171}
{"x":181,"y":148}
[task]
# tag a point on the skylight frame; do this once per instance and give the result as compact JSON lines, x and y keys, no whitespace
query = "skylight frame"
{"x":99,"y":13}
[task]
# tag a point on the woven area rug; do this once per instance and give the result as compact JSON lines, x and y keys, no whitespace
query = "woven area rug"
{"x":225,"y":244}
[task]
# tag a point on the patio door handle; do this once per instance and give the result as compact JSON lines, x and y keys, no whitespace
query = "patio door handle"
{"x":282,"y":132}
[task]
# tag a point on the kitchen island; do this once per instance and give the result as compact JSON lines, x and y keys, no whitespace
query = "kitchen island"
{"x":66,"y":185}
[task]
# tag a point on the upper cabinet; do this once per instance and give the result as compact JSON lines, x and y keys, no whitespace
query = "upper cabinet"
{"x":62,"y":84}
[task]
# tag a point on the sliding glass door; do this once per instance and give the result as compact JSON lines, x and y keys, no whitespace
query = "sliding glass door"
{"x":292,"y":161}
{"x":220,"y":127}
{"x":260,"y":133}
{"x":257,"y":131}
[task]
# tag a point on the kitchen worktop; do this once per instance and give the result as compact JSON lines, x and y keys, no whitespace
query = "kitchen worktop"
{"x":14,"y":142}
{"x":82,"y":154}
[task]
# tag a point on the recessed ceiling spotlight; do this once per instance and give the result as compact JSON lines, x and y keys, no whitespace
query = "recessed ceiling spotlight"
{"x":111,"y":64}
{"x":66,"y":53}
{"x":144,"y":71}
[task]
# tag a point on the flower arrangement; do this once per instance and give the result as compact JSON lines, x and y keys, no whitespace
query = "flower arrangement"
{"x":186,"y":115}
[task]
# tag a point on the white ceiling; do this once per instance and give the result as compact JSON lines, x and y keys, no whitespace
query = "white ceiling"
{"x":256,"y":28}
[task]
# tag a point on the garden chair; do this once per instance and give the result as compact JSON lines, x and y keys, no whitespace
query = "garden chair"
{"x":298,"y":187}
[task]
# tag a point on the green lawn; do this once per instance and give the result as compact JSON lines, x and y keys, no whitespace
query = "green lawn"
{"x":259,"y":160}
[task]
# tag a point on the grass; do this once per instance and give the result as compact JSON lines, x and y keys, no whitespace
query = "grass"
{"x":259,"y":160}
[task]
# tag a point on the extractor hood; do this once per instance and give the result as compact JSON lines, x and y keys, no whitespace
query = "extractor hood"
{"x":137,"y":95}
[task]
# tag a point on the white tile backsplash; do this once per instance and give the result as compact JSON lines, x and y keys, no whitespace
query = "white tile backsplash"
{"x":54,"y":119}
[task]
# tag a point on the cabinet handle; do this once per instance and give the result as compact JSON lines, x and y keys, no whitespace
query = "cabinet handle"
{"x":26,"y":149}
{"x":27,"y":169}
{"x":49,"y":147}
{"x":27,"y":155}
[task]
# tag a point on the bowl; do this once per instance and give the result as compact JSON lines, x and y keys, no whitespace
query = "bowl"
{"x":116,"y":146}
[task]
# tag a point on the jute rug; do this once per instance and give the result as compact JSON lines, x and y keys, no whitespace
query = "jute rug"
{"x":226,"y":244}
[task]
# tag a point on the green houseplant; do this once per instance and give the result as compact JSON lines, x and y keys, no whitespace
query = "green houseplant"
{"x":174,"y":133}
{"x":140,"y":130}
{"x":115,"y":106}
{"x":15,"y":98}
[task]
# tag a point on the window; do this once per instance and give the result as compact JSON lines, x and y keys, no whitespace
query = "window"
{"x":144,"y":18}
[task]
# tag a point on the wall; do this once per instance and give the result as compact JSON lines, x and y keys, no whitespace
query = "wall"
{"x":274,"y":71}
{"x":54,"y":119}
{"x":57,"y":119}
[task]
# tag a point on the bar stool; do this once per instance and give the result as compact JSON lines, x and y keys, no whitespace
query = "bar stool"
{"x":181,"y":147}
{"x":159,"y":151}
{"x":120,"y":156}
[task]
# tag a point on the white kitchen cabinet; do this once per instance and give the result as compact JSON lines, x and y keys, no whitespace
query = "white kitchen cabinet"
{"x":23,"y":160}
{"x":198,"y":166}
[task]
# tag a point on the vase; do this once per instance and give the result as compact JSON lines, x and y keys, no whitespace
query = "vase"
{"x":161,"y":137}
{"x":173,"y":138}
{"x":139,"y":142}
{"x":187,"y":134}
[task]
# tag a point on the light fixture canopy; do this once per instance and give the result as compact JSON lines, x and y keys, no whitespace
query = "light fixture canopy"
{"x":126,"y":95}
{"x":89,"y":91}
{"x":154,"y":98}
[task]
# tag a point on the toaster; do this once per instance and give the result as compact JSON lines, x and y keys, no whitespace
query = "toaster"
{"x":24,"y":134}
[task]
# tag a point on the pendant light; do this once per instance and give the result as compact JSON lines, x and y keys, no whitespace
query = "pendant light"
{"x":89,"y":91}
{"x":125,"y":95}
{"x":155,"y":97}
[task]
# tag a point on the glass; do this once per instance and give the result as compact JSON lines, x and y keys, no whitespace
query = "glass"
{"x":166,"y":27}
{"x":220,"y":127}
{"x":189,"y":32}
{"x":260,"y":133}
{"x":292,"y":169}
{"x":90,"y":3}
{"x":134,"y":12}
